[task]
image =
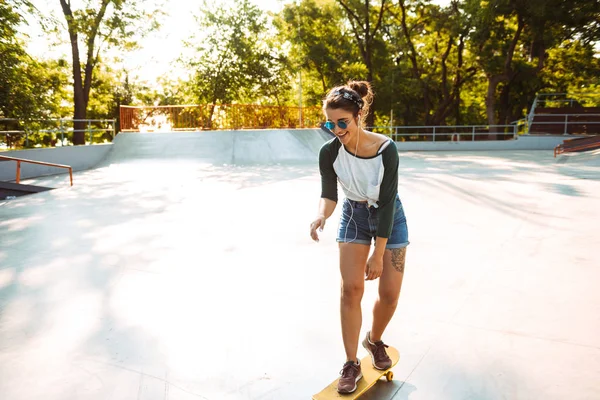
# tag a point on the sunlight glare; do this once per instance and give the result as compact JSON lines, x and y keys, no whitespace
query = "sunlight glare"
{"x":7,"y":277}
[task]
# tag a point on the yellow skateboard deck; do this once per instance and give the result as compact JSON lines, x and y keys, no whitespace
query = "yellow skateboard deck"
{"x":369,"y":378}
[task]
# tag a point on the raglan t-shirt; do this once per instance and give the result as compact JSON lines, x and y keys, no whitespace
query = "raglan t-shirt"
{"x":371,"y":179}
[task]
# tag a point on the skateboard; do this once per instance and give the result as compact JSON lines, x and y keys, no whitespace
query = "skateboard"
{"x":369,"y":379}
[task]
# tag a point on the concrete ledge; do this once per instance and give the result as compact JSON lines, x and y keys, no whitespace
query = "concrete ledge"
{"x":523,"y":142}
{"x":86,"y":157}
{"x":78,"y":157}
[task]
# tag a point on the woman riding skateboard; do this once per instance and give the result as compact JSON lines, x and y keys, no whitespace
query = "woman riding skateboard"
{"x":366,"y":166}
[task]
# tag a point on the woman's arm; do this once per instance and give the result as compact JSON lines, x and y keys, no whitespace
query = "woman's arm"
{"x":329,"y":198}
{"x":387,"y":209}
{"x":326,"y":207}
{"x":388,"y":192}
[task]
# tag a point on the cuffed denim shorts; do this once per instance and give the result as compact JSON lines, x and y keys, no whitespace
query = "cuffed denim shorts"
{"x":358,"y":224}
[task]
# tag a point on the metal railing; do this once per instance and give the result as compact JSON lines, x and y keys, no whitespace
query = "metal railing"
{"x":563,"y":119}
{"x":579,"y":144}
{"x":50,"y":132}
{"x":451,"y":133}
{"x":23,"y":160}
{"x":583,"y":99}
{"x":532,"y":111}
{"x":171,"y":118}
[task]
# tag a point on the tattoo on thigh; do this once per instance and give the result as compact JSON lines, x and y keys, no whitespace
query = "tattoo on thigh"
{"x":398,"y":259}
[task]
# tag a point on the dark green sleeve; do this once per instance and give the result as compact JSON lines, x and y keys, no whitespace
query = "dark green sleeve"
{"x":328,"y":175}
{"x":388,"y":191}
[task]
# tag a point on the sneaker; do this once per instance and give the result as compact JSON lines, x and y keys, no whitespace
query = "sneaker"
{"x":351,"y":374}
{"x":378,"y":354}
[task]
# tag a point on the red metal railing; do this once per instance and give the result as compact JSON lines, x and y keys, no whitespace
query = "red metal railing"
{"x":21,"y":160}
{"x":217,"y":117}
{"x":578,"y":144}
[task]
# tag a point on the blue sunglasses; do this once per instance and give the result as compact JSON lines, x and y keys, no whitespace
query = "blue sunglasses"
{"x":331,"y":125}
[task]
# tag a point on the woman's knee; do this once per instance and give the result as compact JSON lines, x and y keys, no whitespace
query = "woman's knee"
{"x":352,"y":291}
{"x":389,"y":298}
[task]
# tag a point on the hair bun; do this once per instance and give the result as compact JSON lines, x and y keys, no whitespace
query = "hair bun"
{"x":363,"y":88}
{"x":355,"y":97}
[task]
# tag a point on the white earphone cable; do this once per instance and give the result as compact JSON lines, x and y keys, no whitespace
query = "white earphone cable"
{"x":351,"y":206}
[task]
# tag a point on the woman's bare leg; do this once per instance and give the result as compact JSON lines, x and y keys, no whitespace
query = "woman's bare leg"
{"x":390,"y":283}
{"x":353,"y":261}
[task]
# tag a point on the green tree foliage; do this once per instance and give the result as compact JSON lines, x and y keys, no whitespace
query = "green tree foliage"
{"x":170,"y":91}
{"x":29,"y":88}
{"x":12,"y":57}
{"x":568,"y":69}
{"x":321,"y":46}
{"x":465,"y":63}
{"x":110,"y":89}
{"x":115,"y":23}
{"x":365,"y":20}
{"x":512,"y":39}
{"x":470,"y":61}
{"x":234,"y":60}
{"x":429,"y":47}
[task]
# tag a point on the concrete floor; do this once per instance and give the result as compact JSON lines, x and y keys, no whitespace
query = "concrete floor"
{"x":169,"y":277}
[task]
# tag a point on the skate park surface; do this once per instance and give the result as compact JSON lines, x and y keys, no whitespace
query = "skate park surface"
{"x":181,"y":267}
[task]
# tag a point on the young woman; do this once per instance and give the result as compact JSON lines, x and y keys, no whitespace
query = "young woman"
{"x":366,"y":166}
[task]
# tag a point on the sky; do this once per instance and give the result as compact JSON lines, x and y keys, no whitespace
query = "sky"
{"x":158,"y":51}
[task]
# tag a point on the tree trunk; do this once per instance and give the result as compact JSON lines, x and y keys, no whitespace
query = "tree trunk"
{"x":81,"y":89}
{"x":490,"y":101}
{"x":426,"y":102}
{"x":459,"y":66}
{"x":210,"y":114}
{"x":364,"y":36}
{"x":79,"y":103}
{"x":443,"y":108}
{"x":319,"y":70}
{"x":505,"y":76}
{"x":505,"y":112}
{"x":413,"y":56}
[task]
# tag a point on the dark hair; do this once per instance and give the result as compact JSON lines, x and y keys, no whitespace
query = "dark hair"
{"x":352,"y":97}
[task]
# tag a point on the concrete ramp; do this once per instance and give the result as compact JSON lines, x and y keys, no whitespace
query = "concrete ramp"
{"x":589,"y":158}
{"x":113,"y":288}
{"x":581,"y":165}
{"x":258,"y":147}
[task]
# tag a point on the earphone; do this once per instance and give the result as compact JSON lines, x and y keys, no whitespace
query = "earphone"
{"x":351,"y":207}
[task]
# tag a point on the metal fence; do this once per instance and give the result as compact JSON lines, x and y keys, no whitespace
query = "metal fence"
{"x":574,"y":124}
{"x":216,"y":117}
{"x":559,"y":100}
{"x":18,"y":133}
{"x":583,"y":99}
{"x":449,"y":133}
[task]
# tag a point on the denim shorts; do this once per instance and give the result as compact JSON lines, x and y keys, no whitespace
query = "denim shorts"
{"x":358,"y":224}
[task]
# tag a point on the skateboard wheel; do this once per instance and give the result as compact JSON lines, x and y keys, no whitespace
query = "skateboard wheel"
{"x":389,"y":376}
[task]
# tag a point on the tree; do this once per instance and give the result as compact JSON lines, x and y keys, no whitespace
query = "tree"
{"x":29,"y":88}
{"x":324,"y":55}
{"x":429,"y":42}
{"x":233,"y":59}
{"x":512,"y":39}
{"x":12,"y":53}
{"x":573,"y":67}
{"x":112,"y":23}
{"x":109,"y":90}
{"x":365,"y":21}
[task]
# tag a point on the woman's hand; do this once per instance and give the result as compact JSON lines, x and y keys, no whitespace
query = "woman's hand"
{"x":374,"y":267}
{"x":319,"y":224}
